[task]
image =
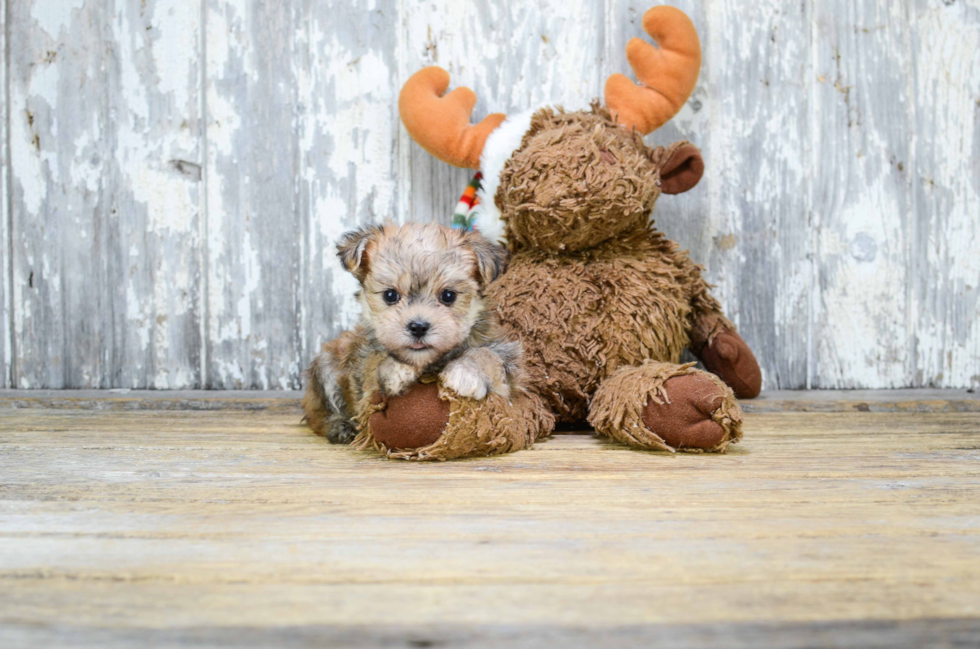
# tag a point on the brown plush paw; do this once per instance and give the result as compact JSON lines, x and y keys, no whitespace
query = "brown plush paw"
{"x":686,"y":421}
{"x":731,"y":359}
{"x":412,"y":420}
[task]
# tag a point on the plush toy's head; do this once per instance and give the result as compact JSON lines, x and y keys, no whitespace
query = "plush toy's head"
{"x":559,"y":180}
{"x":580,"y":179}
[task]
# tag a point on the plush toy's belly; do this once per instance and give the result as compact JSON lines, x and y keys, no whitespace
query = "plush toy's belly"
{"x":579,"y":320}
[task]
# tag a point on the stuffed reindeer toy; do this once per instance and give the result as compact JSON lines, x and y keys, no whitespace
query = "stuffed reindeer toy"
{"x":602,"y":302}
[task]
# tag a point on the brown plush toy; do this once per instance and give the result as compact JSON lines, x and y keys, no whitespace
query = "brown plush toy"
{"x":603,"y":303}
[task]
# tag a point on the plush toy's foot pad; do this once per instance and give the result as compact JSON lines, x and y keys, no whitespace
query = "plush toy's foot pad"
{"x":413,"y":420}
{"x":667,"y":407}
{"x":433,"y":423}
{"x":682,"y":418}
{"x":728,"y":356}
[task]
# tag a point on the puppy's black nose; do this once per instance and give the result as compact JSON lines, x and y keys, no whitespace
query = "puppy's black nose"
{"x":418,"y":328}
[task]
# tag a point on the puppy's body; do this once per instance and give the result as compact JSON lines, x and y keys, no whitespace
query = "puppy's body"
{"x":423,"y":315}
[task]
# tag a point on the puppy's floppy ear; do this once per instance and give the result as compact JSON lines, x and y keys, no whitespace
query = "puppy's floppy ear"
{"x":491,"y":259}
{"x":351,"y":249}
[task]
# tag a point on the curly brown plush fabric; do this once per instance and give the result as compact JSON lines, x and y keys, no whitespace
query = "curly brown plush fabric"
{"x":582,"y":315}
{"x":578,"y":180}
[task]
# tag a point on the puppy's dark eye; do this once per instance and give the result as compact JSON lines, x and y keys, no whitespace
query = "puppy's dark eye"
{"x":447,"y":297}
{"x":390,"y":296}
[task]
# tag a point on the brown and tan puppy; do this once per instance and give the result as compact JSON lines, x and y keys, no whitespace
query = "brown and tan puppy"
{"x":424,"y":319}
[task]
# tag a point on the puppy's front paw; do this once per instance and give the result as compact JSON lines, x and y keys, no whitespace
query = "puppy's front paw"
{"x":467,"y":379}
{"x":395,"y":377}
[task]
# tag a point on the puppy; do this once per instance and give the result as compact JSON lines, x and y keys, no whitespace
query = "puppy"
{"x":422,"y":315}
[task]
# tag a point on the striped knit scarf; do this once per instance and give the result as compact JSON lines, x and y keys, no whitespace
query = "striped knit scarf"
{"x":463,"y":214}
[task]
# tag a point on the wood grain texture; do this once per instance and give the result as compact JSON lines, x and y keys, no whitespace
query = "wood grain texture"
{"x":947,"y":632}
{"x":140,"y":522}
{"x":254,"y":222}
{"x":179,"y":172}
{"x":59,"y":111}
{"x":154,"y":151}
{"x":944,"y":294}
{"x":862,"y":116}
{"x":105,"y":162}
{"x":6,"y":340}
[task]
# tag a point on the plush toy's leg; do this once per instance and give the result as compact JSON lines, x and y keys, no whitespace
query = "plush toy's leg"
{"x":667,"y":407}
{"x":430,"y":422}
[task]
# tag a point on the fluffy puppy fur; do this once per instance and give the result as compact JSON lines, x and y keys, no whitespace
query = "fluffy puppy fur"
{"x":423,"y":317}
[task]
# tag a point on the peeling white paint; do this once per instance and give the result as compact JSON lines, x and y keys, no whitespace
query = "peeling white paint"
{"x":53,"y":17}
{"x":176,"y":28}
{"x":6,"y":303}
{"x":26,"y":160}
{"x":869,"y":291}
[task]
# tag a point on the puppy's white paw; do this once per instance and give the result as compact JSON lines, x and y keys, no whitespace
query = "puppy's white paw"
{"x":466,"y":379}
{"x":395,"y":377}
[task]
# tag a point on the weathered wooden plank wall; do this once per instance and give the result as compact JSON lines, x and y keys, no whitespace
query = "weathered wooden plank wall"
{"x":176,"y":172}
{"x":6,"y":341}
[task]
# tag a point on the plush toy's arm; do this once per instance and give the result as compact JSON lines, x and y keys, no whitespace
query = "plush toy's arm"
{"x":716,"y":343}
{"x":706,"y":319}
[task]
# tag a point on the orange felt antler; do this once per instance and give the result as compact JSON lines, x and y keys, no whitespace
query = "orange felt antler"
{"x":668,"y":74}
{"x":441,"y":125}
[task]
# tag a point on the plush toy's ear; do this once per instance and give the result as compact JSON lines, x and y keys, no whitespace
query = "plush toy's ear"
{"x":491,"y":259}
{"x":682,"y":170}
{"x":352,"y":247}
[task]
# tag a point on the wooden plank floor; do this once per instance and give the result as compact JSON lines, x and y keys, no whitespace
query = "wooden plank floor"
{"x":241,"y":528}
